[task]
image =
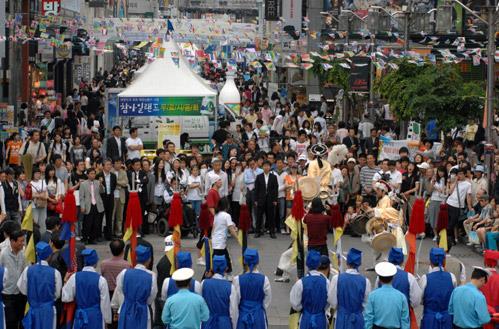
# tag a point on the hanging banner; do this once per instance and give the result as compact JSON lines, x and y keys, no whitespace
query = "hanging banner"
{"x":359,"y":74}
{"x":390,"y":149}
{"x":272,"y":10}
{"x":159,"y":106}
{"x":292,"y":13}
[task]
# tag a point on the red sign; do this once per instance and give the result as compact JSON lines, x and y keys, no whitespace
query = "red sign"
{"x":51,"y":7}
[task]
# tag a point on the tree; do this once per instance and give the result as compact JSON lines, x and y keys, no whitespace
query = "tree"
{"x":431,"y":91}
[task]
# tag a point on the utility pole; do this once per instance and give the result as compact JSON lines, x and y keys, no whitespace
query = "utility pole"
{"x":372,"y":70}
{"x":490,"y":86}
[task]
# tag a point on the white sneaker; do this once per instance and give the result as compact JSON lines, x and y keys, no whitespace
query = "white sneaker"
{"x":201,"y":261}
{"x":283,"y":279}
{"x":435,"y":238}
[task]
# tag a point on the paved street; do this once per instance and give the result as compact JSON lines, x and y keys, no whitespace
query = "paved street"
{"x":270,"y":250}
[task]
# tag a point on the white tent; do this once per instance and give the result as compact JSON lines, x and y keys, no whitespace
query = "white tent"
{"x":164,"y":78}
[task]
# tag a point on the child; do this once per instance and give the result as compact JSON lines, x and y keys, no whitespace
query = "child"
{"x":349,"y":216}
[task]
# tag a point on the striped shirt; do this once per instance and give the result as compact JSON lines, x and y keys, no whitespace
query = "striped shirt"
{"x":110,"y":268}
{"x":366,"y":177}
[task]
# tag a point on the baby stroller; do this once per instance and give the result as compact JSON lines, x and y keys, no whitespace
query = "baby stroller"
{"x":188,"y":221}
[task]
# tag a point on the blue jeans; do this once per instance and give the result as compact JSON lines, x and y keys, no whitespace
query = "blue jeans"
{"x":196,"y":206}
{"x":281,"y":203}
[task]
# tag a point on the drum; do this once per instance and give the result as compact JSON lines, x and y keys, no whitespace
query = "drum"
{"x":384,"y":241}
{"x":358,"y":224}
{"x":309,"y":188}
{"x":376,"y":225}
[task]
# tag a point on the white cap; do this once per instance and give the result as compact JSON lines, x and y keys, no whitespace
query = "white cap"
{"x":215,"y":159}
{"x":302,"y":157}
{"x":169,"y":243}
{"x":352,"y":160}
{"x":424,"y":165}
{"x":213,"y":178}
{"x":479,"y":168}
{"x":384,"y":269}
{"x":95,"y":129}
{"x":183,"y":274}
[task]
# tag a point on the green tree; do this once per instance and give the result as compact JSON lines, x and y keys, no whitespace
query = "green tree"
{"x":431,"y":91}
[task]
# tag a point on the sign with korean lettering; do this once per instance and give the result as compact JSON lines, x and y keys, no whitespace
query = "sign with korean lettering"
{"x":51,"y":7}
{"x":272,"y":10}
{"x":159,"y":106}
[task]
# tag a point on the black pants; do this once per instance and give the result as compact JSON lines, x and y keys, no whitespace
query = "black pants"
{"x":453,"y":221}
{"x":321,"y":249}
{"x":250,"y":202}
{"x":267,"y":208}
{"x":224,"y":252}
{"x":91,"y":224}
{"x":235,"y":209}
{"x":14,"y":310}
{"x":108,"y":201}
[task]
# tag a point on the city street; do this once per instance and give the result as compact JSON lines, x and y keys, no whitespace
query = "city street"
{"x":270,"y":251}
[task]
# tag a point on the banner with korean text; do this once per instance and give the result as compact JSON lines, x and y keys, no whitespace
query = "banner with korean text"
{"x":159,"y":106}
{"x":390,"y":149}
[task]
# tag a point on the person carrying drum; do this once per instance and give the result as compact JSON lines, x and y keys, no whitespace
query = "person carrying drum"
{"x":317,"y":227}
{"x":348,"y":292}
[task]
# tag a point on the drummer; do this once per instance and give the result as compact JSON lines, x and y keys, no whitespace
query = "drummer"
{"x":382,"y":189}
{"x":319,"y":168}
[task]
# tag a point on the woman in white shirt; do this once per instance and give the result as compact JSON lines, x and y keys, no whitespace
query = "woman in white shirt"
{"x":40,"y":197}
{"x":222,"y":223}
{"x":57,"y":146}
{"x":159,"y":181}
{"x":438,"y":195}
{"x":194,"y":196}
{"x":238,"y":191}
{"x":55,"y":189}
{"x":177,"y":174}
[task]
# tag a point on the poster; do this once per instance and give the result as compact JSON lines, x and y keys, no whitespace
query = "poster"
{"x":390,"y":150}
{"x":6,"y":115}
{"x":197,"y":127}
{"x":359,"y":74}
{"x":171,"y":131}
{"x":112,"y":108}
{"x":235,"y":108}
{"x":159,"y":106}
{"x":292,"y":13}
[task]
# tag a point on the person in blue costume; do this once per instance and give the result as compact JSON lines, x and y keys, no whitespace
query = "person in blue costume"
{"x":386,"y":306}
{"x":404,"y":281}
{"x":184,"y":260}
{"x":42,"y":284}
{"x":437,"y":287}
{"x":251,"y":300}
{"x":216,"y":291}
{"x":90,"y":291}
{"x":348,"y":293}
{"x":134,"y":293}
{"x":467,"y":303}
{"x":184,"y":309}
{"x":309,"y":295}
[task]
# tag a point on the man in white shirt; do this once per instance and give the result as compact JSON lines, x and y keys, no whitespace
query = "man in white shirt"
{"x":395,"y":176}
{"x":134,"y":144}
{"x":216,"y":164}
{"x":281,"y":174}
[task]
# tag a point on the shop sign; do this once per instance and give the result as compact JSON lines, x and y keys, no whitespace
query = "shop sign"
{"x":51,"y":7}
{"x":64,"y":51}
{"x":272,"y":10}
{"x":159,"y":106}
{"x":81,"y":71}
{"x":359,"y":74}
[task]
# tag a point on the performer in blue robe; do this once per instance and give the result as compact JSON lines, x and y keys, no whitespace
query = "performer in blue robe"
{"x":169,"y":288}
{"x":309,"y":295}
{"x":348,"y":292}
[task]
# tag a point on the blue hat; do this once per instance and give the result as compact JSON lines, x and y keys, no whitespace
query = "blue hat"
{"x":313,"y":259}
{"x":43,"y":250}
{"x":437,"y":256}
{"x":396,"y":256}
{"x":251,"y":258}
{"x":354,"y":257}
{"x":143,"y":253}
{"x":184,"y":259}
{"x":90,"y":257}
{"x":219,"y":264}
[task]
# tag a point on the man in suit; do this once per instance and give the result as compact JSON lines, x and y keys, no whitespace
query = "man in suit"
{"x":91,"y":206}
{"x":120,"y":194}
{"x":115,"y":145}
{"x":266,"y":193}
{"x":372,"y":144}
{"x":351,"y":141}
{"x":108,"y":181}
{"x":137,"y":181}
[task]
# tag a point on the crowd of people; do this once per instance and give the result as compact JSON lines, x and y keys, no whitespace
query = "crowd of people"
{"x":258,"y":162}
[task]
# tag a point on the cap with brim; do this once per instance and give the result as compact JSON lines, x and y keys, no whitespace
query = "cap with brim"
{"x":424,"y":165}
{"x":183,"y":274}
{"x":385,"y":269}
{"x":302,"y":157}
{"x":169,"y":243}
{"x":479,"y":168}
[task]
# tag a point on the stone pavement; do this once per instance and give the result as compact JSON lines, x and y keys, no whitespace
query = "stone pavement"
{"x":270,"y":251}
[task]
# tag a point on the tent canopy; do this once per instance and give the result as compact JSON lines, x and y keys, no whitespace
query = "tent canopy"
{"x":164,"y":78}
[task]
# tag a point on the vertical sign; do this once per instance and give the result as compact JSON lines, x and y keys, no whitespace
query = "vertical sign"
{"x":51,"y":7}
{"x":2,"y":29}
{"x":359,"y":74}
{"x":272,"y":10}
{"x":292,"y":13}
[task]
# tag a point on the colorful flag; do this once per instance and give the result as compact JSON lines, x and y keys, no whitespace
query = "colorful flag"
{"x":27,"y":225}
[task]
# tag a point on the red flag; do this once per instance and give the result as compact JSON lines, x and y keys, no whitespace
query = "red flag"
{"x":297,"y":210}
{"x":204,"y":219}
{"x":69,"y":213}
{"x":416,"y":223}
{"x":133,"y":223}
{"x":244,"y":218}
{"x":336,"y":219}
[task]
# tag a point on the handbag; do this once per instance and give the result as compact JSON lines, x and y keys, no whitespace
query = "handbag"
{"x":463,"y":214}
